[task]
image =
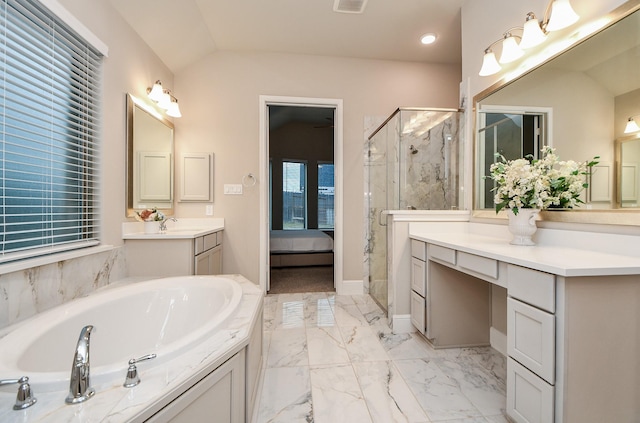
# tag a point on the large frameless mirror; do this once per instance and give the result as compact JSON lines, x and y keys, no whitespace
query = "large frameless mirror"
{"x":580,"y":102}
{"x":150,"y":152}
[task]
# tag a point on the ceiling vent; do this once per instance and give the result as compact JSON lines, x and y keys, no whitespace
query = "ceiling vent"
{"x":349,"y":6}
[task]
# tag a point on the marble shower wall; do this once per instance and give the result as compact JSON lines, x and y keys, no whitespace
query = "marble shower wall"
{"x":428,"y":176}
{"x":34,"y":290}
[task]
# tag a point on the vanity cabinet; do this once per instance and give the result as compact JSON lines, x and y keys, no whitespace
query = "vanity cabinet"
{"x":572,"y":322}
{"x":167,"y":256}
{"x":208,"y":254}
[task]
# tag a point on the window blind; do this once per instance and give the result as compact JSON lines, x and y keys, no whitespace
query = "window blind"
{"x":49,"y":129}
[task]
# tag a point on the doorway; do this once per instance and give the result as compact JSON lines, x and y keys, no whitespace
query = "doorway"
{"x":301,"y":197}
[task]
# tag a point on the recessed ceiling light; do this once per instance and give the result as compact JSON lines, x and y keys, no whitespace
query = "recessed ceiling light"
{"x":428,"y":38}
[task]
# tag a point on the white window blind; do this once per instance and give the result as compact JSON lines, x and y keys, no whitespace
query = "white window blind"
{"x":49,"y":128}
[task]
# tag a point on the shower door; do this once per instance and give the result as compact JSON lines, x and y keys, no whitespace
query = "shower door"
{"x":380,"y":159}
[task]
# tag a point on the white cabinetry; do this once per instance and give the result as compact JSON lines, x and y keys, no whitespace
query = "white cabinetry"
{"x":418,"y":285}
{"x":165,"y":257}
{"x":208,"y":259}
{"x":572,"y":322}
{"x":218,"y":398}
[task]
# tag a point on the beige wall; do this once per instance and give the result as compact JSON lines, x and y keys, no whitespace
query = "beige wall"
{"x":130,"y":68}
{"x":219,"y":99}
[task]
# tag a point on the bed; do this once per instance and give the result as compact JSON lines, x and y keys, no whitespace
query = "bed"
{"x":309,"y":247}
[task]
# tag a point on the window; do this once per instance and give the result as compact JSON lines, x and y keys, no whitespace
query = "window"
{"x":294,"y":197}
{"x":49,"y":124}
{"x":326,"y":191}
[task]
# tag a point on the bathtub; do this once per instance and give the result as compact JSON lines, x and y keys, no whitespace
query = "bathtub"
{"x":167,"y":317}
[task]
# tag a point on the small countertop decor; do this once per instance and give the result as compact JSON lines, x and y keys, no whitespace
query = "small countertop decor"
{"x":528,"y":185}
{"x":151,"y":218}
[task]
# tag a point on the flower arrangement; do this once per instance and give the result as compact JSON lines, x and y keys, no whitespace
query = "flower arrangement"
{"x":543,"y":183}
{"x":149,"y":215}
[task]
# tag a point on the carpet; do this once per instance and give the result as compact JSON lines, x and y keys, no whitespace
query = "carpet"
{"x":301,"y":279}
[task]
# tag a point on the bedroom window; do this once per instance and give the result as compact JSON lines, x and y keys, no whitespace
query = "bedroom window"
{"x":326,"y":190}
{"x":294,"y":198}
{"x":49,"y":128}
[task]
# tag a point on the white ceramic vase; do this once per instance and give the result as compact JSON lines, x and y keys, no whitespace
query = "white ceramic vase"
{"x":152,"y":227}
{"x":522,"y":226}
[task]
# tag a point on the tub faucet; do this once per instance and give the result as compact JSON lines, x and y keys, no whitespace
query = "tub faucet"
{"x":163,"y":223}
{"x":80,"y":385}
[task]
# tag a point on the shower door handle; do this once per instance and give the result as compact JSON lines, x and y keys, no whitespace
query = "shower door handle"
{"x":380,"y":222}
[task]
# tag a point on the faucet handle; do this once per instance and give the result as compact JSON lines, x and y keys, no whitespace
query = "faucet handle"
{"x":25,"y":397}
{"x":132,"y":378}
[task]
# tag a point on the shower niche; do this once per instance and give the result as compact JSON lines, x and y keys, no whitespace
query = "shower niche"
{"x":413,"y":161}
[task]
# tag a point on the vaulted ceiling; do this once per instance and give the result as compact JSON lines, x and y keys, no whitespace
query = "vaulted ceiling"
{"x":181,"y":32}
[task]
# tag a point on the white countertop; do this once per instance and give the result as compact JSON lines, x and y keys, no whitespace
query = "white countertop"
{"x":557,"y":259}
{"x":113,"y":403}
{"x":184,"y":228}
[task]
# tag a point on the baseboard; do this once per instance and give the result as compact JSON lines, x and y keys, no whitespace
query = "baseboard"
{"x":401,"y":323}
{"x":498,"y":340}
{"x":355,"y":287}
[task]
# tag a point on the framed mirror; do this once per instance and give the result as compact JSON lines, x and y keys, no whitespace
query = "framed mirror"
{"x":150,"y":159}
{"x":588,"y":92}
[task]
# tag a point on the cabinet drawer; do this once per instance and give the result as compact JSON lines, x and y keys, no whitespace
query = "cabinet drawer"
{"x":210,"y":241}
{"x":529,"y":398}
{"x":418,"y":250}
{"x":198,"y":245}
{"x":418,"y":276}
{"x":532,"y":287}
{"x":531,"y":338}
{"x":483,"y":265}
{"x":418,"y":311}
{"x":442,"y":253}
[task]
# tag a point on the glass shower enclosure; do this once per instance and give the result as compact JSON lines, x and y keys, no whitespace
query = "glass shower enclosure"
{"x":412,"y":162}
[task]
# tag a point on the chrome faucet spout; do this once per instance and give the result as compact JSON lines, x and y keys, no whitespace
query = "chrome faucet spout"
{"x":80,"y":383}
{"x":163,"y":223}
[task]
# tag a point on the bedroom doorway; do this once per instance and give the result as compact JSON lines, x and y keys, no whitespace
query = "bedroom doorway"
{"x":301,"y":212}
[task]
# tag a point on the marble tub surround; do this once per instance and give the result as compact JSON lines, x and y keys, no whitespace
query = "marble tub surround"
{"x":114,"y":403}
{"x":181,"y":228}
{"x":25,"y":293}
{"x":333,"y":358}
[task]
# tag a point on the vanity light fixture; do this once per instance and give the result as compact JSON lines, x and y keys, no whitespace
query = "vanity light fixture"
{"x":164,"y":99}
{"x":558,"y":15}
{"x":632,"y":126}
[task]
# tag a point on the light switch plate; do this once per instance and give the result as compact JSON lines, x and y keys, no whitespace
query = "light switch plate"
{"x":233,"y":189}
{"x":208,"y":210}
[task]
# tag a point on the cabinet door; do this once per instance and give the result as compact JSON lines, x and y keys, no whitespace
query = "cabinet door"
{"x":418,"y":312}
{"x":203,"y":264}
{"x":418,"y":276}
{"x":218,"y":398}
{"x":531,"y":338}
{"x":529,"y":398}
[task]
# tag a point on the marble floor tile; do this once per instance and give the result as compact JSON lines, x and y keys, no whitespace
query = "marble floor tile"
{"x":438,"y":394}
{"x":325,"y":346}
{"x":288,"y":348}
{"x":340,"y":362}
{"x":349,"y":315}
{"x":373,"y":314}
{"x":362,"y":344}
{"x":476,"y":384}
{"x":387,"y":395}
{"x":288,"y":397}
{"x":337,"y":397}
{"x":318,"y":313}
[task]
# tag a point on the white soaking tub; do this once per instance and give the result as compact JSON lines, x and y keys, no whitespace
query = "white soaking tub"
{"x":166,"y":317}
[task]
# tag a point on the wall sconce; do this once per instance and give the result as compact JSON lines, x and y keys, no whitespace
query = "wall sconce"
{"x":632,"y":126}
{"x":558,"y":15}
{"x":164,"y":99}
